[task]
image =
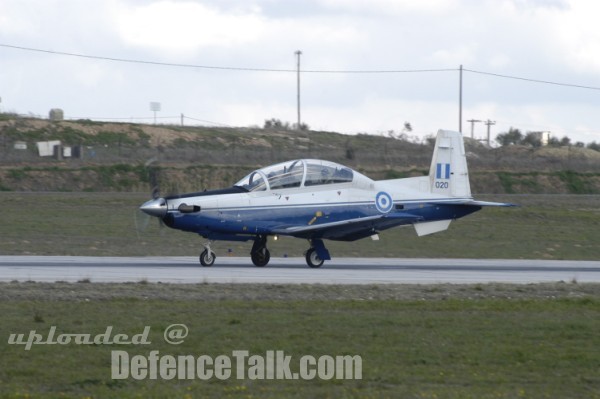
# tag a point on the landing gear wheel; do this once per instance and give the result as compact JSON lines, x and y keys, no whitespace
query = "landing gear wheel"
{"x":261,"y":257}
{"x":312,"y":259}
{"x":207,"y":258}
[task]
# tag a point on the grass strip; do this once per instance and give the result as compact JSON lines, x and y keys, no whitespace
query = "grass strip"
{"x":481,"y":341}
{"x":109,"y":224}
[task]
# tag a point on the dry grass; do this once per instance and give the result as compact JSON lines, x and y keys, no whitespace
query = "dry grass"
{"x":104,"y":224}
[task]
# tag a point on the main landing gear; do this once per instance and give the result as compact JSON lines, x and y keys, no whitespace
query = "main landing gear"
{"x":312,"y":258}
{"x":316,"y":255}
{"x":259,"y":254}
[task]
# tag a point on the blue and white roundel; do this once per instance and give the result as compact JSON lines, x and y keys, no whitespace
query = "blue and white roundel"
{"x":383,"y":202}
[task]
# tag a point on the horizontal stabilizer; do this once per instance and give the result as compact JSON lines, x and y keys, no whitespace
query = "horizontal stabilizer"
{"x":470,"y":201}
{"x":487,"y":203}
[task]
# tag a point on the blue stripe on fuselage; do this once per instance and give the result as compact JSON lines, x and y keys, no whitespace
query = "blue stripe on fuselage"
{"x":262,"y":220}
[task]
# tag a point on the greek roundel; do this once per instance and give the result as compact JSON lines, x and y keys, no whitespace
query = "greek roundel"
{"x":383,"y":202}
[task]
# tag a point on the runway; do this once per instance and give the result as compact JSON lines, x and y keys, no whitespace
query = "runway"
{"x":294,"y":270}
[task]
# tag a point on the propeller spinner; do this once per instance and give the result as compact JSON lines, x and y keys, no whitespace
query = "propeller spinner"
{"x":155,"y":207}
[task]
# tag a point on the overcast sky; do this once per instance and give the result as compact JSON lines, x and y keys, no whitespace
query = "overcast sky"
{"x":549,"y":40}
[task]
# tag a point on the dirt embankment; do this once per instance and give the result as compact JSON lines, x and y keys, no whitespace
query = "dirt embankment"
{"x":134,"y":157}
{"x":202,"y":177}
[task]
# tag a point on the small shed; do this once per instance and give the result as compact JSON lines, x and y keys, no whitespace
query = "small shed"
{"x":46,"y":148}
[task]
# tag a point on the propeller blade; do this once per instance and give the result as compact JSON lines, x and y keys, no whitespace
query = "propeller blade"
{"x":141,"y":221}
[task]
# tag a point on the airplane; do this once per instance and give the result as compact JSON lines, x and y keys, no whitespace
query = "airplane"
{"x":320,"y":200}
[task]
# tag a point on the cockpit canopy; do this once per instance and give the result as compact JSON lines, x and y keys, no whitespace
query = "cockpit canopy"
{"x":298,"y":173}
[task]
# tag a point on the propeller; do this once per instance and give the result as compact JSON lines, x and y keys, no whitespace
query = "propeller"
{"x":150,"y":208}
{"x":157,"y":206}
{"x":153,"y":177}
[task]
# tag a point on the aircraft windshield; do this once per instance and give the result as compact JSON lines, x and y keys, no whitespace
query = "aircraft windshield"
{"x":322,"y":172}
{"x":296,"y":173}
{"x":253,"y":182}
{"x":285,"y":175}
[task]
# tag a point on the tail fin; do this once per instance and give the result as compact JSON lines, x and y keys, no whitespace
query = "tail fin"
{"x":448,"y":173}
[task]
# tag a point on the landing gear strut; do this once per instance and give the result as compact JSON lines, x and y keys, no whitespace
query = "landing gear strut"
{"x":259,"y":254}
{"x":207,"y":257}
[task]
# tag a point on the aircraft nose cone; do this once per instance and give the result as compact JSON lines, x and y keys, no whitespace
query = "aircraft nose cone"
{"x":156,"y":207}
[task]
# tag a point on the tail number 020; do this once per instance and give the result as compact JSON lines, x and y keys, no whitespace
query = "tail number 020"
{"x":441,"y":184}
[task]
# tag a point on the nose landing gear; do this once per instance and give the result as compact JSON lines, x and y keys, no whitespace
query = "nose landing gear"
{"x":207,"y":257}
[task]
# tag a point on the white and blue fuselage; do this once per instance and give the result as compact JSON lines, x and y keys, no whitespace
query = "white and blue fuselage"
{"x":316,"y":200}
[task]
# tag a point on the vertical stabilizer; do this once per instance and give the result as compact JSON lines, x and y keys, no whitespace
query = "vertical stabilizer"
{"x":448,"y":174}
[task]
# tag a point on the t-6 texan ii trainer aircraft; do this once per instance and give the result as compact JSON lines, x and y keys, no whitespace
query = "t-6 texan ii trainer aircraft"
{"x":318,"y":200}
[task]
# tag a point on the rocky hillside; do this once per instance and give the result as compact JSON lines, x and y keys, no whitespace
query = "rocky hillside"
{"x":134,"y":157}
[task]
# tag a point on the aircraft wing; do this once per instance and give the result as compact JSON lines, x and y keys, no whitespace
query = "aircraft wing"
{"x":354,"y":229}
{"x":348,"y":230}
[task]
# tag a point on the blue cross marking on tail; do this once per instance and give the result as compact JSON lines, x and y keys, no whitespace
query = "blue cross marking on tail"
{"x":442,"y":171}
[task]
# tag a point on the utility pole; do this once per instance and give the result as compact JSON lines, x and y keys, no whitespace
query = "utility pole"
{"x":472,"y":122}
{"x":182,"y":119}
{"x":298,"y":54}
{"x":460,"y":99}
{"x":489,"y":123}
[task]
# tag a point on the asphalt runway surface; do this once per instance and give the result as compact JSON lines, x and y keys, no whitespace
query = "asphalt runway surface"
{"x":294,"y":270}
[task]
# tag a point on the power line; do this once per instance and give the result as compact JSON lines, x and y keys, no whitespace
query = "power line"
{"x":138,"y":118}
{"x":377,"y":71}
{"x":93,"y":118}
{"x":229,"y":68}
{"x":548,"y":82}
{"x":205,"y":121}
{"x":132,"y":61}
{"x":323,"y":71}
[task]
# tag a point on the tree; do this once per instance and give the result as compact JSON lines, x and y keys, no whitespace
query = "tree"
{"x":303,"y":127}
{"x":565,"y":141}
{"x":512,"y":137}
{"x":533,"y":139}
{"x":594,"y":146}
{"x":553,"y":142}
{"x":402,"y":135}
{"x":274,"y":123}
{"x":430,"y":139}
